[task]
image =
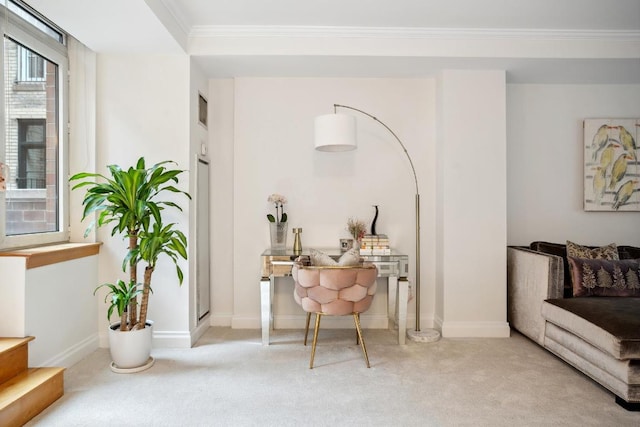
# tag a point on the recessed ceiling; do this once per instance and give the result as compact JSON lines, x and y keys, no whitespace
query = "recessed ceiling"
{"x":168,"y":26}
{"x":529,"y":14}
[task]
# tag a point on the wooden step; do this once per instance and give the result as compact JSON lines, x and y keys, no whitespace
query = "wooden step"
{"x":29,"y":393}
{"x":14,"y":357}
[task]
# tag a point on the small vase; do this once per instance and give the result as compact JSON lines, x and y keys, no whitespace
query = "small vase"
{"x":357,"y":243}
{"x":278,"y":235}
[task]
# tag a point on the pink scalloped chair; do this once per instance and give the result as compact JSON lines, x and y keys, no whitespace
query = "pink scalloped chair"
{"x":334,"y":291}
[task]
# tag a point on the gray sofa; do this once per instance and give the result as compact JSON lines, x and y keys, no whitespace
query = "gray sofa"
{"x":599,"y":336}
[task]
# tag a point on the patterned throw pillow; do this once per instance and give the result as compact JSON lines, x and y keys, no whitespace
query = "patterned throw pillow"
{"x":320,"y":258}
{"x":610,"y":278}
{"x":351,"y":257}
{"x":605,"y":252}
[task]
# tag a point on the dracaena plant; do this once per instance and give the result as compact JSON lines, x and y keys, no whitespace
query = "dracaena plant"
{"x":131,"y":201}
{"x":120,"y":296}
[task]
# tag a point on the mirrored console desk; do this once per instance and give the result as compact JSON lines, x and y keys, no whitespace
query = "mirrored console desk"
{"x":395,"y":267}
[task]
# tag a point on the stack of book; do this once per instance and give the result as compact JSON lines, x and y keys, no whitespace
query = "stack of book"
{"x":377,"y":244}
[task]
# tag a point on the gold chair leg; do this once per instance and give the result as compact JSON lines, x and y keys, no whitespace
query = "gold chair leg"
{"x":356,"y":319}
{"x":306,"y":329}
{"x":315,"y":339}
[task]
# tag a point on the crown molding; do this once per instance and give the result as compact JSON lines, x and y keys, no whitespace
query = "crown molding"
{"x":247,"y":31}
{"x":175,"y":12}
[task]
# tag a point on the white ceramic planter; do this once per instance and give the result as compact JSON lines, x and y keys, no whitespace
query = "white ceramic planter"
{"x":130,"y":350}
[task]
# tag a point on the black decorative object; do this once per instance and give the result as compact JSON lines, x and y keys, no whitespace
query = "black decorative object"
{"x":373,"y":223}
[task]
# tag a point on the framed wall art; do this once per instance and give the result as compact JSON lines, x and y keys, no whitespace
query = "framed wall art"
{"x":611,"y":167}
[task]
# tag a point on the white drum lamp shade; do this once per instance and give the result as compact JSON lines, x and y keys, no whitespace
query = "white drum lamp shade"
{"x":335,"y":132}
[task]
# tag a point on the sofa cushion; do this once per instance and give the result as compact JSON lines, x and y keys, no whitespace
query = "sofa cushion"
{"x":611,"y":324}
{"x":628,"y":252}
{"x":617,"y":375}
{"x":597,"y":277}
{"x":560,"y":249}
{"x":605,"y":252}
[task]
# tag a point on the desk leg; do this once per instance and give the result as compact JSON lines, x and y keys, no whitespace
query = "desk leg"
{"x":403,"y":302}
{"x":392,"y":301}
{"x":266,"y":288}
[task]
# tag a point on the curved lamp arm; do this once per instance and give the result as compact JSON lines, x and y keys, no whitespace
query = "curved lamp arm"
{"x":417,"y":199}
{"x":413,"y":169}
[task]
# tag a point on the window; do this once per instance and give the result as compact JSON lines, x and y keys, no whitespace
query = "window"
{"x":30,"y":66}
{"x":31,"y":154}
{"x":33,"y":145}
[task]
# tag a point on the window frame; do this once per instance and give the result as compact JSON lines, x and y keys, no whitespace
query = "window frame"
{"x":25,"y":66}
{"x":25,"y":34}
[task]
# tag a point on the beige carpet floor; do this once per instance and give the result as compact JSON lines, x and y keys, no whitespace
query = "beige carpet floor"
{"x":230,"y":379}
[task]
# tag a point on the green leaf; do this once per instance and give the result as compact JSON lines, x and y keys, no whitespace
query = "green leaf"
{"x":140,"y":163}
{"x":179,"y":273}
{"x":131,"y":201}
{"x":119,"y":295}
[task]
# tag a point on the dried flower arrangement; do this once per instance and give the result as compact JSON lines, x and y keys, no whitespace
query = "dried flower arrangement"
{"x":356,"y":228}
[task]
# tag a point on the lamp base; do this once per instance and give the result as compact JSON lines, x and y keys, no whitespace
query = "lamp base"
{"x":424,"y":335}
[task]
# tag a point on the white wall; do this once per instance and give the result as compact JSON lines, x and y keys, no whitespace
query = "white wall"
{"x":60,"y":309}
{"x":82,"y":136}
{"x":53,"y":303}
{"x":545,"y":163}
{"x":471,"y":204}
{"x":273,"y":152}
{"x":143,"y":109}
{"x":221,"y":125}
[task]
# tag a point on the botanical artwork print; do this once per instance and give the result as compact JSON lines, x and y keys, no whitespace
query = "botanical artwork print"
{"x":611,"y":167}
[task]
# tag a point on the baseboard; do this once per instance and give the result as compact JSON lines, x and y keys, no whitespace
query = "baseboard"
{"x":171,"y":339}
{"x":168,"y":339}
{"x":221,"y":319}
{"x":452,"y":329}
{"x":333,"y":322}
{"x":245,"y":322}
{"x":70,"y":356}
{"x":103,"y":338}
{"x":199,"y":331}
{"x":376,"y":321}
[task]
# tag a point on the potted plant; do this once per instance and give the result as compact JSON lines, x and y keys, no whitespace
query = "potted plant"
{"x":130,"y":200}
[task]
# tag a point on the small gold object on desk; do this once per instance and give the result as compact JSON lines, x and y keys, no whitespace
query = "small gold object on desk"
{"x":297,"y":243}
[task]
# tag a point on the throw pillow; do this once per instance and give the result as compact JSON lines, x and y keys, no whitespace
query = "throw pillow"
{"x":320,"y":258}
{"x":605,"y":252}
{"x":600,"y":277}
{"x":351,"y":257}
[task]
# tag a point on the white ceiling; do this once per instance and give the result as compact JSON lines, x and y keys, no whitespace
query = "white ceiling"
{"x":230,"y":38}
{"x":531,"y":14}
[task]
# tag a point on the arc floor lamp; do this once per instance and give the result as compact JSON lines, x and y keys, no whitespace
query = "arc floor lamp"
{"x":337,"y":132}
